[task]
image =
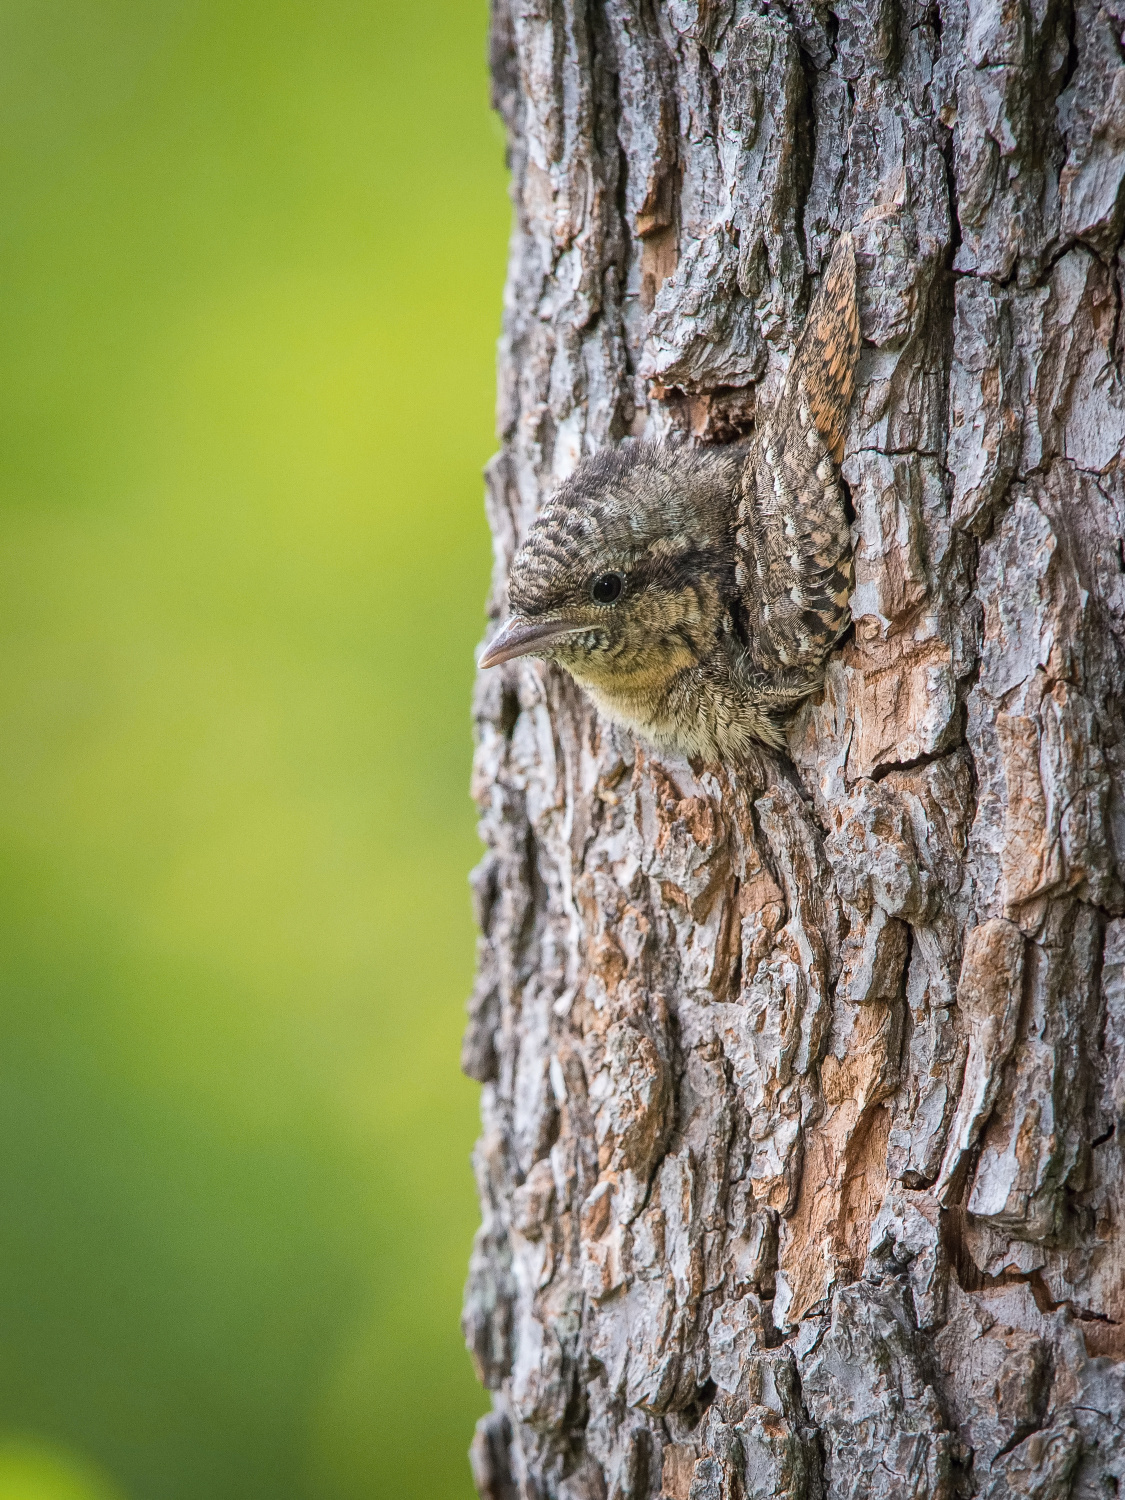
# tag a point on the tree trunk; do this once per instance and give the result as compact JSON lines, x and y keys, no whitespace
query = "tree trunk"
{"x":800,"y":1168}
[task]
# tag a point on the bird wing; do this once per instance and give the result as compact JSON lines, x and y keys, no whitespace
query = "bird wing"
{"x":794,"y":562}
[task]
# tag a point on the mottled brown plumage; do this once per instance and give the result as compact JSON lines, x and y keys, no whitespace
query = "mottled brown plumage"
{"x":695,"y":592}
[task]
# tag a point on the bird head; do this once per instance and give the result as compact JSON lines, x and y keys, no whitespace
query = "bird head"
{"x":625,"y":574}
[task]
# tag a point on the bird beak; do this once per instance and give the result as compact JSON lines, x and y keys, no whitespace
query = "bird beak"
{"x":521,"y":637}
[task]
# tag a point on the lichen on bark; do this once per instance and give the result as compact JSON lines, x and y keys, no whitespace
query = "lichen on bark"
{"x":801,"y":1170}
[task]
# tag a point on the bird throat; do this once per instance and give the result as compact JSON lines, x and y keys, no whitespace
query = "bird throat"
{"x":634,"y":697}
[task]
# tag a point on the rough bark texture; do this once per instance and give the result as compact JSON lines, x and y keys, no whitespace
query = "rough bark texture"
{"x":801,"y":1170}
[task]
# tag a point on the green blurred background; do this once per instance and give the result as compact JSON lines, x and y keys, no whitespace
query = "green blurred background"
{"x":251,"y":258}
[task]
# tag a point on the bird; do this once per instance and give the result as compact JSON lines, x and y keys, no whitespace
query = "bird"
{"x":695,"y":593}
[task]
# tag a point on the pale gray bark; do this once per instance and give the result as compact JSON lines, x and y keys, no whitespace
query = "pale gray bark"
{"x":802,"y":1165}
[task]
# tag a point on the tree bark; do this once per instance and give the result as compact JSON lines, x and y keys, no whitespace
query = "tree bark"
{"x":801,"y":1168}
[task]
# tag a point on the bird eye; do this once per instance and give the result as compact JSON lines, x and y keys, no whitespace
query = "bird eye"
{"x":606,"y":588}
